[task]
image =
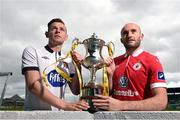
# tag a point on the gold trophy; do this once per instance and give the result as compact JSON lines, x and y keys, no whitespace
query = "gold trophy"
{"x":93,"y":61}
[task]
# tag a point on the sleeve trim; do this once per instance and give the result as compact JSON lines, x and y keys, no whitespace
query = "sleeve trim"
{"x":154,"y":85}
{"x":29,"y":68}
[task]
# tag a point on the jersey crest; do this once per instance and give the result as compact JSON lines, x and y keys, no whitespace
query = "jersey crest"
{"x":123,"y":81}
{"x":137,"y":66}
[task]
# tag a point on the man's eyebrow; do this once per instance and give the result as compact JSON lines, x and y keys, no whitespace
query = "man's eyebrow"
{"x":134,"y":29}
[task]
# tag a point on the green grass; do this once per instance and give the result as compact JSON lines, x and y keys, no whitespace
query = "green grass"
{"x":11,"y":108}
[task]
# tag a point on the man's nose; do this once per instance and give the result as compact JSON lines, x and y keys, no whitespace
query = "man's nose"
{"x":58,"y":30}
{"x":130,"y":34}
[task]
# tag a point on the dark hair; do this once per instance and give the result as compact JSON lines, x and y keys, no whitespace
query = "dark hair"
{"x":55,"y":20}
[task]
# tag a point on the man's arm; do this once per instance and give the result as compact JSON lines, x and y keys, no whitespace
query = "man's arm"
{"x":74,"y":84}
{"x":33,"y":82}
{"x":156,"y":103}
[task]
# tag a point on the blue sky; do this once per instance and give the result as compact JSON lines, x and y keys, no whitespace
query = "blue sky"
{"x":23,"y":23}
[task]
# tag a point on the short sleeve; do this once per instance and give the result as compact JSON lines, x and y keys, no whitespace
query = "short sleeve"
{"x":29,"y":59}
{"x":157,"y":77}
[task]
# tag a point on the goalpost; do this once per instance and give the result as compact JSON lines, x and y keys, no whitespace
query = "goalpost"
{"x":8,"y":74}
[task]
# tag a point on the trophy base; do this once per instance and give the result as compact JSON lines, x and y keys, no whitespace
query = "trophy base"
{"x":89,"y":92}
{"x":92,"y":108}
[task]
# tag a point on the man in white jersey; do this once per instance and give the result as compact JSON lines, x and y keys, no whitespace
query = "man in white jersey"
{"x":42,"y":67}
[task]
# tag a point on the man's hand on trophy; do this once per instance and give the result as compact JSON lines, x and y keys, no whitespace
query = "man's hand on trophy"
{"x":82,"y":105}
{"x":109,"y":62}
{"x":106,"y":103}
{"x":76,"y":57}
{"x":77,"y":106}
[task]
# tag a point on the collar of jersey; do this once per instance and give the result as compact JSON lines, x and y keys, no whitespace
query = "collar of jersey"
{"x":50,"y":50}
{"x":135,"y":53}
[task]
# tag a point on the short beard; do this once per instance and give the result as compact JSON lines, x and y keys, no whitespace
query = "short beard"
{"x":130,"y":47}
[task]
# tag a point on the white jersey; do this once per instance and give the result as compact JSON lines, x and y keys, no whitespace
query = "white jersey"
{"x":44,"y":60}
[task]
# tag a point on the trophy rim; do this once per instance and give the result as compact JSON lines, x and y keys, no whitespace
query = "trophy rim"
{"x":94,"y":39}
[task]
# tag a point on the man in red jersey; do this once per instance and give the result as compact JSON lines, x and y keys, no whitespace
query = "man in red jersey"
{"x":138,"y":81}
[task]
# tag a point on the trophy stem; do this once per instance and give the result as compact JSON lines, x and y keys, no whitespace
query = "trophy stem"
{"x":93,"y":74}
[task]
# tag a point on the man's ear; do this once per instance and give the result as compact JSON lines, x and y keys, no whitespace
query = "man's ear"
{"x":121,"y":40}
{"x":142,"y":36}
{"x":46,"y":34}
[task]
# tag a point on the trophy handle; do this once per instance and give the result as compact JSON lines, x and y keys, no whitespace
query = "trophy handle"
{"x":111,"y":48}
{"x":75,"y":43}
{"x":105,"y":80}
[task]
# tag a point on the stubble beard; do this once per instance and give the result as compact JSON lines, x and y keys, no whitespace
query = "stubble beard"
{"x":132,"y":46}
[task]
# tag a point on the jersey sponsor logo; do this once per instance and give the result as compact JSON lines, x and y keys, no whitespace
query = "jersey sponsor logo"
{"x":123,"y":81}
{"x":55,"y":79}
{"x":126,"y":93}
{"x":161,"y":76}
{"x":137,"y":66}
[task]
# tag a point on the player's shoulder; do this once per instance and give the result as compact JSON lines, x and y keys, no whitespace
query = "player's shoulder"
{"x":34,"y":50}
{"x":29,"y":49}
{"x":149,"y":55}
{"x":119,"y":59}
{"x":150,"y":58}
{"x":120,"y":56}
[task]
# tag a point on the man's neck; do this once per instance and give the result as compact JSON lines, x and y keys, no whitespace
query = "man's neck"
{"x":55,"y":48}
{"x":131,"y":51}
